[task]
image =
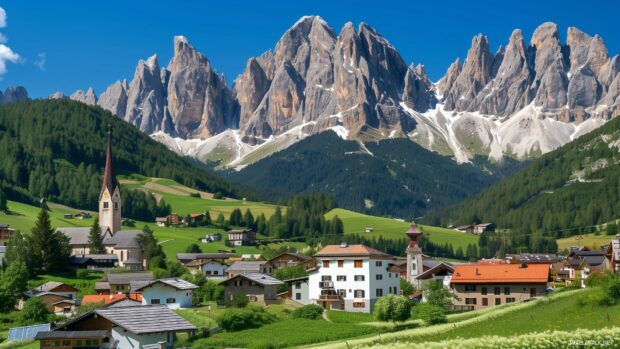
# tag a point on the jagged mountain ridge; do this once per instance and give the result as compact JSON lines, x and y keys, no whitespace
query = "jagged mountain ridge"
{"x":523,"y":100}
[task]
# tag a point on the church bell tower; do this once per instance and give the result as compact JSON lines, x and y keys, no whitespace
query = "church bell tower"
{"x":414,"y":254}
{"x":110,"y":196}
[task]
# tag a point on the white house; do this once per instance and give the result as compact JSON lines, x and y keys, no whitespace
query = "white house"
{"x":207,"y":267}
{"x":351,"y":277}
{"x":299,"y":289}
{"x":175,"y":293}
{"x":131,"y":327}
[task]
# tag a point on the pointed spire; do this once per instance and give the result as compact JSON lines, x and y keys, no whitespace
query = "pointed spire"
{"x":109,"y":180}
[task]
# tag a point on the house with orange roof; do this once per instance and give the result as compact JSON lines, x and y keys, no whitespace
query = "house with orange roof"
{"x":110,"y":298}
{"x":351,"y":277}
{"x":477,"y":286}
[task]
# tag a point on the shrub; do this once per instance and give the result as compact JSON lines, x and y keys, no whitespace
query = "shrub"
{"x":310,"y":311}
{"x":239,"y":300}
{"x":34,"y":312}
{"x":392,"y":308}
{"x":243,"y":319}
{"x":598,"y":279}
{"x":431,"y":314}
{"x":611,"y":292}
{"x":82,"y":273}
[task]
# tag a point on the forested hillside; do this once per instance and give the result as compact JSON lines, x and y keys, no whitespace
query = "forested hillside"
{"x":562,"y":193}
{"x":56,"y":149}
{"x":391,"y":177}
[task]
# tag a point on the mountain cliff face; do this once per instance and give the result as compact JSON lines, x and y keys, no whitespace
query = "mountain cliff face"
{"x":524,"y":99}
{"x":11,"y":94}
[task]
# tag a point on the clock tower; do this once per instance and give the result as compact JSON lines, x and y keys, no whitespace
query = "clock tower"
{"x":110,"y":196}
{"x":414,"y":254}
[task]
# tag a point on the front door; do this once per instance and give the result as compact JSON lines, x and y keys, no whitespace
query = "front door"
{"x":532,"y":292}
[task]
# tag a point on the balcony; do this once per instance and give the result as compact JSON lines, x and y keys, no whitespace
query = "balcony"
{"x":329,"y":297}
{"x":326,"y":284}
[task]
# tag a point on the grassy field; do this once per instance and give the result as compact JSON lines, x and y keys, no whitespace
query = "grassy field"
{"x":590,"y":240}
{"x":561,"y":311}
{"x":393,"y":229}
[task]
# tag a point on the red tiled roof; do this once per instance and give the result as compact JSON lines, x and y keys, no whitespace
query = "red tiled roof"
{"x":500,"y":273}
{"x":107,"y":298}
{"x":350,"y":250}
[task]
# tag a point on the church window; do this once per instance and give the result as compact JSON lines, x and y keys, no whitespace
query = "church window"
{"x":413,"y":266}
{"x":105,"y":205}
{"x":116,"y":205}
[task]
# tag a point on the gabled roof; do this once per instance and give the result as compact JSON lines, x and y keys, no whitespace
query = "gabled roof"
{"x":146,"y":319}
{"x":77,"y":236}
{"x":441,"y":266}
{"x":534,"y":257}
{"x":102,"y":285}
{"x":261,"y":279}
{"x":123,"y":239}
{"x":592,"y":261}
{"x":244,"y":267}
{"x":201,"y":262}
{"x":192,"y":256}
{"x":109,"y":298}
{"x":139,"y":320}
{"x":50,"y":286}
{"x":126,"y":278}
{"x":500,"y":273}
{"x":350,"y":251}
{"x":176,"y":283}
{"x":299,"y":256}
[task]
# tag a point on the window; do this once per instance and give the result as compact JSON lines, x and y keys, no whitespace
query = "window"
{"x":498,"y":301}
{"x":298,"y":296}
{"x":379,"y":276}
{"x":378,"y":263}
{"x":483,"y":291}
{"x":298,"y":285}
{"x":170,"y":300}
{"x":66,"y":343}
{"x":496,"y":291}
{"x":208,"y":272}
{"x":510,"y":300}
{"x":359,"y":305}
{"x":359,"y":293}
{"x":155,"y":301}
{"x":341,"y":278}
{"x":116,"y":205}
{"x":340,"y":263}
{"x":379,"y":292}
{"x":506,"y":290}
{"x":485,"y":301}
{"x":325,"y":264}
{"x":106,"y":204}
{"x":389,"y":275}
{"x":470,"y":301}
{"x":357,"y":263}
{"x":413,"y":266}
{"x":359,"y":278}
{"x":215,"y":272}
{"x":470,"y":288}
{"x":326,"y":278}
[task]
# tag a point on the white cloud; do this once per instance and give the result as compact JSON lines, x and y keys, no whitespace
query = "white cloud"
{"x":40,"y":61}
{"x":6,"y":54}
{"x":2,"y":18}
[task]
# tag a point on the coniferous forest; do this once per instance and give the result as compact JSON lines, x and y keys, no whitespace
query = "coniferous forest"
{"x":56,"y":149}
{"x":566,"y":192}
{"x":392,"y":177}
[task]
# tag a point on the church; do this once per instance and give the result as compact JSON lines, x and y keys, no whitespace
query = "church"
{"x":122,"y":246}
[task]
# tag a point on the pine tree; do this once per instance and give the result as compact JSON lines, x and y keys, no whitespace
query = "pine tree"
{"x":248,"y":219}
{"x":261,"y":224}
{"x":207,"y":219}
{"x":49,"y":249}
{"x":3,"y":202}
{"x":220,"y":220}
{"x":95,"y":239}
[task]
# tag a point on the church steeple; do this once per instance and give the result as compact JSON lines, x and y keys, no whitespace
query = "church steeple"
{"x":109,"y":180}
{"x":110,"y":196}
{"x":415,"y":264}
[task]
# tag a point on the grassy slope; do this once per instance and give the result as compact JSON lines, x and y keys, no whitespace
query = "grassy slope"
{"x":590,"y":240}
{"x":392,"y":229}
{"x":561,"y":311}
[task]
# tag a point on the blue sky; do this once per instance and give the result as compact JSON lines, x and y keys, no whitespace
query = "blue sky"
{"x":94,"y":43}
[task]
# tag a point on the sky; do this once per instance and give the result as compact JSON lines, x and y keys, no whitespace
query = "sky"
{"x":50,"y":46}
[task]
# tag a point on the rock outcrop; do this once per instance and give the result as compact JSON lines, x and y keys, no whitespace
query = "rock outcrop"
{"x":11,"y":95}
{"x":87,"y":97}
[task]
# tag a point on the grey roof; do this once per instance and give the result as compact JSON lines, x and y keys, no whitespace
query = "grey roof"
{"x":50,"y":285}
{"x":101,"y":256}
{"x":177,"y":283}
{"x":146,"y":319}
{"x":77,"y":236}
{"x":102,"y":285}
{"x":123,"y":239}
{"x":71,"y":334}
{"x":126,"y":278}
{"x":38,"y":293}
{"x":26,"y":332}
{"x":594,"y":260}
{"x":261,"y":279}
{"x":191,"y":256}
{"x":136,"y":285}
{"x":127,"y":302}
{"x":535,"y":257}
{"x":244,"y":267}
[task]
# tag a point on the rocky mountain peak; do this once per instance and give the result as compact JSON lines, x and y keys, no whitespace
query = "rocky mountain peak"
{"x":88,"y":98}
{"x":13,"y":94}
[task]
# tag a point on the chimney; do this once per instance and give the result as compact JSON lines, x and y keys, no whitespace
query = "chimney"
{"x":343,"y":245}
{"x":523,"y":265}
{"x":477,"y":272}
